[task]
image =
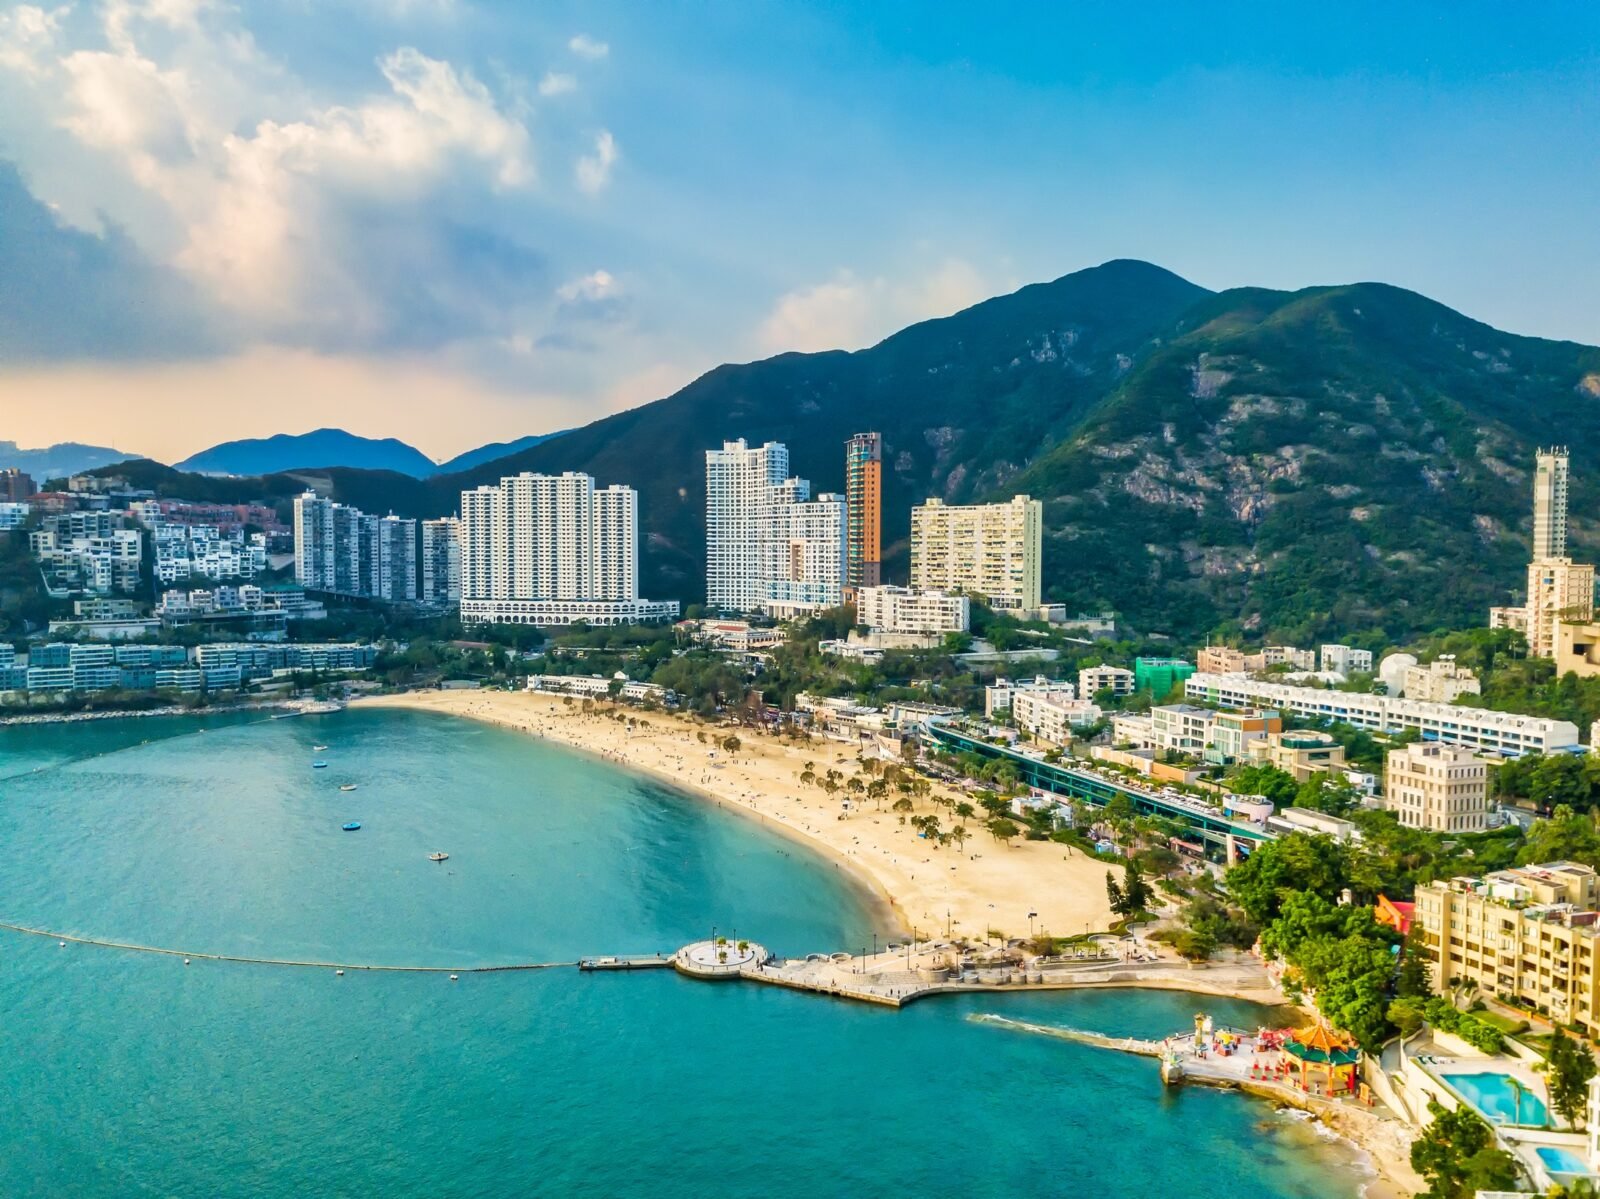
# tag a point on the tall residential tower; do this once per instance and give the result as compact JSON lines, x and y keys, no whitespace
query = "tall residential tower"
{"x":1559,"y":590}
{"x":863,"y":494}
{"x":1550,"y":504}
{"x":992,"y":550}
{"x":553,"y":550}
{"x":770,"y":546}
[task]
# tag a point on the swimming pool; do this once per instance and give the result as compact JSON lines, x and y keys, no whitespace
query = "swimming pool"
{"x":1562,"y":1161}
{"x":1495,"y":1100}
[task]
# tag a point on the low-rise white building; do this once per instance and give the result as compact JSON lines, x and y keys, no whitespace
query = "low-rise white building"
{"x":997,"y":696}
{"x":1440,"y":682}
{"x":1136,"y":732}
{"x":1092,"y":680}
{"x":1181,"y":729}
{"x":902,"y":610}
{"x":1508,"y":733}
{"x":595,"y":686}
{"x":1345,"y":660}
{"x":1052,"y":715}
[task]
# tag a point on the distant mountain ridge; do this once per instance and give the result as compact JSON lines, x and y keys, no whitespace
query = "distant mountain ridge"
{"x":491,"y":452}
{"x":321,"y":447}
{"x":1291,"y":465}
{"x":58,"y":461}
{"x":254,"y":456}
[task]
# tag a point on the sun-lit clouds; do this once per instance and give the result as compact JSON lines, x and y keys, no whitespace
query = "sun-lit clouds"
{"x":556,"y":83}
{"x":848,"y":312}
{"x":589,"y":48}
{"x":27,"y":33}
{"x":270,"y":212}
{"x":594,"y":169}
{"x":597,"y":285}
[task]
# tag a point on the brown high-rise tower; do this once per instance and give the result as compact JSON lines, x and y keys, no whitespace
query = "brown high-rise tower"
{"x":863,"y":493}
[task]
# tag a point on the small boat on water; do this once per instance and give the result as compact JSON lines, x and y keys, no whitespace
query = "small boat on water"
{"x":351,"y":826}
{"x":437,"y":856}
{"x":348,"y":786}
{"x":319,"y":764}
{"x":317,"y":749}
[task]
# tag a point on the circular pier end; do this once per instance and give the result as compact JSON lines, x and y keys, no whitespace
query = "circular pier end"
{"x":719,"y":958}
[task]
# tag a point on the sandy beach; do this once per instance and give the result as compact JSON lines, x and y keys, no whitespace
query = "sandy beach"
{"x":985,"y":885}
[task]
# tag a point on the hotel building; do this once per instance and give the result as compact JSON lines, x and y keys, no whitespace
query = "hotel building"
{"x":992,"y":550}
{"x":1444,"y":788}
{"x":1504,"y":732}
{"x":1526,"y":934}
{"x":441,"y":561}
{"x":863,"y":496}
{"x":552,"y":550}
{"x":770,"y":547}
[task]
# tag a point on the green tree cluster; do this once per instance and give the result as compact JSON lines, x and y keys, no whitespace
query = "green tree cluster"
{"x":1456,"y":1153}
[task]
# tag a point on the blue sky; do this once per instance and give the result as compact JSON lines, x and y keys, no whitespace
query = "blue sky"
{"x":457,"y":222}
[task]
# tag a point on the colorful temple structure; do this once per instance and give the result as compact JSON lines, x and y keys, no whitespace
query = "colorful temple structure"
{"x":1325,"y":1061}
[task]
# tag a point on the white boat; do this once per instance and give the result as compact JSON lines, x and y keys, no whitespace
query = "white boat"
{"x":348,"y":786}
{"x":317,"y":749}
{"x":437,"y":856}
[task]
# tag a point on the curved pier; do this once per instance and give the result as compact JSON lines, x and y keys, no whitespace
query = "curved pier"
{"x":197,"y":955}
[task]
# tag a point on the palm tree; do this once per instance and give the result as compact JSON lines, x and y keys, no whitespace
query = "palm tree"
{"x":1517,"y":1091}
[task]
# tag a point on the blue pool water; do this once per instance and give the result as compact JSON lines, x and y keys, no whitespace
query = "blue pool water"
{"x":1562,"y":1161}
{"x":1492,"y":1095}
{"x":129,"y":1075}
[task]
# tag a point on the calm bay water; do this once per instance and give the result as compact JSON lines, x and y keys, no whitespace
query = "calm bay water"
{"x":131,"y":1074}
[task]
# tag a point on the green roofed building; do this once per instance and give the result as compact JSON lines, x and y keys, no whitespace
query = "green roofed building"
{"x":1160,"y":675}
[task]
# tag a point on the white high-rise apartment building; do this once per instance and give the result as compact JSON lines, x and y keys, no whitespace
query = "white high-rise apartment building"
{"x":441,"y":561}
{"x":343,"y":550}
{"x":396,"y":558}
{"x":1559,"y":589}
{"x":992,"y":550}
{"x":552,"y":550}
{"x":1550,"y":503}
{"x":769,"y":545}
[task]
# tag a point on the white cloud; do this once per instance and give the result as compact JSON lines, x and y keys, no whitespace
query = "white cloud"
{"x":848,"y":312}
{"x":259,"y":207}
{"x":594,"y":170}
{"x":556,"y":84}
{"x":27,"y":34}
{"x":585,"y":46}
{"x":597,"y":285}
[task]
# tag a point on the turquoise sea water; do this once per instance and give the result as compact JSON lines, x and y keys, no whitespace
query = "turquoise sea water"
{"x":131,"y":1074}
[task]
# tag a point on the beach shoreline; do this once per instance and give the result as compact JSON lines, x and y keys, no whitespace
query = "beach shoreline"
{"x":881,"y":858}
{"x":291,"y":707}
{"x":919,"y":888}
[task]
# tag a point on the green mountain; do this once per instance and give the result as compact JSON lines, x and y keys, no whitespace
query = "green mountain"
{"x":1317,"y":463}
{"x":1296,"y":465}
{"x":287,"y":451}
